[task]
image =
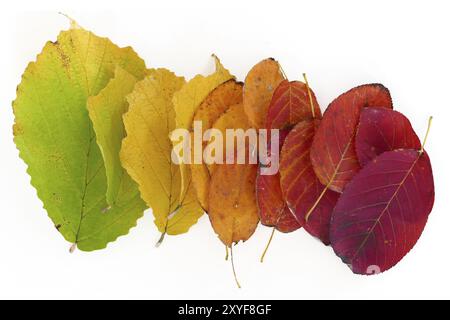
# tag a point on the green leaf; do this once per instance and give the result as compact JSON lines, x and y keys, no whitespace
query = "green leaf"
{"x":106,"y":110}
{"x":56,"y":140}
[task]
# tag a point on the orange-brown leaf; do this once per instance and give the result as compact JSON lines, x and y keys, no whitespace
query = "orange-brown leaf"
{"x":208,"y":113}
{"x":232,"y":203}
{"x":260,"y":84}
{"x":233,"y":118}
{"x":217,"y":102}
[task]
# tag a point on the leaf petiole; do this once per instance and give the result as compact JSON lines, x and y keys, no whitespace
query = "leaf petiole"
{"x":426,"y":135}
{"x":310,"y":96}
{"x":282,"y":72}
{"x":73,"y":247}
{"x":161,"y":239}
{"x":234,"y":270}
{"x":268,"y":244}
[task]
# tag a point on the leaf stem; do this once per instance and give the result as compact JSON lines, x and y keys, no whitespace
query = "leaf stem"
{"x":234,"y":270}
{"x":282,"y":71}
{"x":268,"y":244}
{"x":310,"y":96}
{"x":73,"y":247}
{"x":226,"y":253}
{"x":161,"y":239}
{"x":426,"y":135}
{"x":73,"y":23}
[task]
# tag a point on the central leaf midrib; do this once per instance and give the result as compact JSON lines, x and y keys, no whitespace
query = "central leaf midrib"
{"x":86,"y":182}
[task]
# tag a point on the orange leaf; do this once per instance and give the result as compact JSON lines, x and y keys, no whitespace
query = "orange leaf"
{"x":259,"y":87}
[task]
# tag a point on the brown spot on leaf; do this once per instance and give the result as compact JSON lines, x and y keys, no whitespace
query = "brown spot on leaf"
{"x":17,"y":129}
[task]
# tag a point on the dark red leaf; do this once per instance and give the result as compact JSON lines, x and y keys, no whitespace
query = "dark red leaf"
{"x":299,"y":184}
{"x":333,"y":152}
{"x":381,"y":130}
{"x":383,"y":210}
{"x":291,"y":104}
{"x":273,"y":210}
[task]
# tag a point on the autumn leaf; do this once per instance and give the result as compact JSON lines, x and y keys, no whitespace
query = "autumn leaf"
{"x":273,"y":210}
{"x":200,"y":181}
{"x":217,"y":102}
{"x":56,"y":140}
{"x":233,"y":118}
{"x":290,"y":104}
{"x":210,"y":110}
{"x":187,"y":100}
{"x":333,"y":154}
{"x":232,"y":200}
{"x":106,"y":111}
{"x":232,"y":204}
{"x":146,"y":152}
{"x":383,"y":211}
{"x":259,"y":86}
{"x":381,"y":130}
{"x":299,"y":184}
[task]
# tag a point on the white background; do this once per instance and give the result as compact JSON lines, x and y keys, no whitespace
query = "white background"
{"x":339,"y":44}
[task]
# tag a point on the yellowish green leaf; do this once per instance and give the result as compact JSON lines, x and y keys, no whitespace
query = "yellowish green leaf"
{"x":55,"y":138}
{"x":106,"y":111}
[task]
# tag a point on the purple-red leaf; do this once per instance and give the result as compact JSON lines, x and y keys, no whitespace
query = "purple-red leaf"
{"x":383,"y":210}
{"x":381,"y":130}
{"x":333,"y":152}
{"x":291,"y":104}
{"x":299,"y":184}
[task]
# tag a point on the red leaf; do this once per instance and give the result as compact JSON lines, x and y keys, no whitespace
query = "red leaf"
{"x":333,"y":152}
{"x":383,"y":210}
{"x":299,"y":184}
{"x":291,"y":104}
{"x":273,"y":210}
{"x":383,"y":130}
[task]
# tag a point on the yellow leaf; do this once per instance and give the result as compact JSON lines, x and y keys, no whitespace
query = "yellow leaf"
{"x":146,"y":152}
{"x":200,"y":181}
{"x":186,"y":102}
